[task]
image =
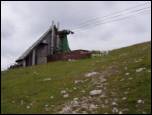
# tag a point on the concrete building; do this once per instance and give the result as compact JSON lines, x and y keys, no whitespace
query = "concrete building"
{"x":51,"y":42}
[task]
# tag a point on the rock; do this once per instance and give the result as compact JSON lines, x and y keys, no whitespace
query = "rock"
{"x":124,"y":98}
{"x":114,"y":110}
{"x":13,"y":101}
{"x":83,"y":91}
{"x":63,"y":92}
{"x":130,"y":78}
{"x":91,"y":74}
{"x":95,"y":92}
{"x":28,"y":107}
{"x":75,"y":103}
{"x":120,"y":112}
{"x":125,"y":68}
{"x":122,"y":79}
{"x":102,"y":80}
{"x":140,"y":101}
{"x":78,"y":81}
{"x":47,"y":79}
{"x":84,"y":112}
{"x":51,"y":97}
{"x":76,"y":99}
{"x":126,"y":92}
{"x":65,"y":110}
{"x":46,"y":105}
{"x":66,"y":95}
{"x":92,"y":106}
{"x":22,"y":102}
{"x":140,"y":69}
{"x":127,"y":73}
{"x":74,"y":88}
{"x":114,"y":103}
{"x":149,"y":71}
{"x":106,"y":101}
{"x":47,"y":109}
{"x":102,"y":96}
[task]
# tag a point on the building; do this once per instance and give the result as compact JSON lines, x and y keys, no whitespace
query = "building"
{"x":51,"y":42}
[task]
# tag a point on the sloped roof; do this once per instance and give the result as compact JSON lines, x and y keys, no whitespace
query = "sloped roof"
{"x":33,"y":46}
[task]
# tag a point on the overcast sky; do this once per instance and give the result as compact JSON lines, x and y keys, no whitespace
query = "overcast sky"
{"x":24,"y":22}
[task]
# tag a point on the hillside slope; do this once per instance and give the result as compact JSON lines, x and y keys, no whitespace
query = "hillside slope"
{"x":119,"y":82}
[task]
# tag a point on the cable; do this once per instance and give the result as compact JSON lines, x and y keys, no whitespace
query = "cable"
{"x":97,"y":18}
{"x":112,"y":18}
{"x":108,"y":22}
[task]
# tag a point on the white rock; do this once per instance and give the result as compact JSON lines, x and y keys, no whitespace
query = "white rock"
{"x":95,"y":92}
{"x":76,"y":99}
{"x":74,"y":88}
{"x":114,"y":103}
{"x":140,"y":69}
{"x":63,"y":92}
{"x":51,"y":97}
{"x":66,"y":109}
{"x":91,"y":74}
{"x":140,"y":101}
{"x":66,"y":95}
{"x":28,"y":107}
{"x":124,"y":98}
{"x":127,"y":73}
{"x":13,"y":101}
{"x":47,"y":79}
{"x":46,"y":105}
{"x":92,"y":106}
{"x":114,"y":110}
{"x":120,"y":112}
{"x":83,"y":91}
{"x":78,"y":81}
{"x":130,"y":78}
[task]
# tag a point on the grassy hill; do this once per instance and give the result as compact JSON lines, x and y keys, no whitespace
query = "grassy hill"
{"x":121,"y":80}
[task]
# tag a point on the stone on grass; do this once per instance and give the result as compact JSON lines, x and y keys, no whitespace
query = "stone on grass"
{"x":127,"y":73}
{"x":120,"y":112}
{"x":91,"y":74}
{"x":124,"y":98}
{"x":46,"y":105}
{"x":51,"y":97}
{"x":140,"y":101}
{"x":140,"y":69}
{"x":66,"y":95}
{"x":114,"y":103}
{"x":74,"y":88}
{"x":78,"y":81}
{"x":63,"y":92}
{"x":65,"y":110}
{"x":22,"y":102}
{"x":114,"y":110}
{"x":92,"y":106}
{"x":28,"y":107}
{"x":47,"y":79}
{"x":95,"y":92}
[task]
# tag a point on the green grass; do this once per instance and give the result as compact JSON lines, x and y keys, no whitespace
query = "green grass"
{"x":27,"y":83}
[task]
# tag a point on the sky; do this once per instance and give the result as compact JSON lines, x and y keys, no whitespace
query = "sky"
{"x":23,"y":22}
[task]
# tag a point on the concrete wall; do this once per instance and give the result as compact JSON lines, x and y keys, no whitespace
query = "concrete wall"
{"x":41,"y":54}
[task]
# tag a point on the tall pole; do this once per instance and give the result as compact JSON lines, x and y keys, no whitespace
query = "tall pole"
{"x":52,"y":38}
{"x":58,"y":39}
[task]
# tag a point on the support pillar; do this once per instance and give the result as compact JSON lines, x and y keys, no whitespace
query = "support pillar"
{"x":33,"y":57}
